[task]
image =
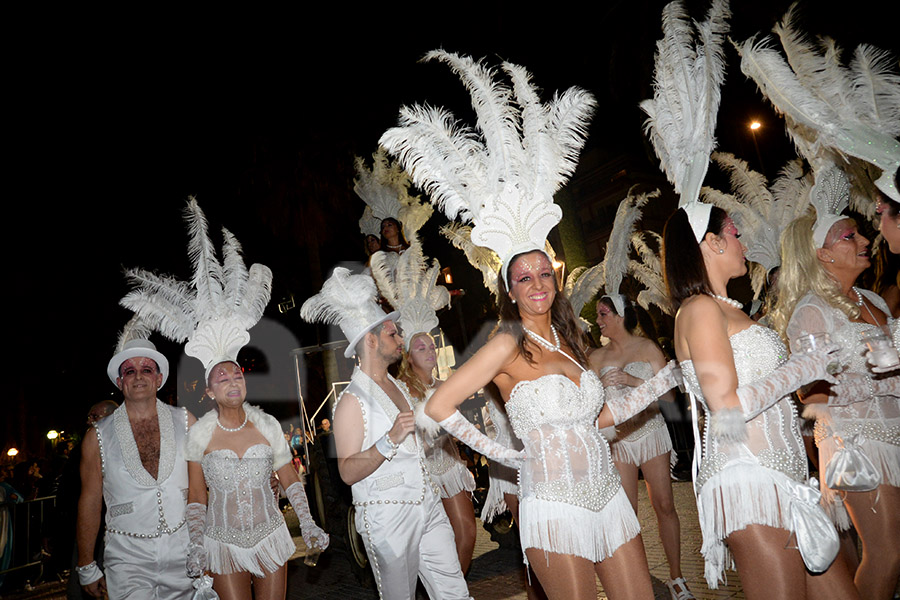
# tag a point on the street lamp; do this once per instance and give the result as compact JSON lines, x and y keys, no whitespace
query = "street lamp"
{"x":52,"y":434}
{"x":754,"y":126}
{"x":12,"y":452}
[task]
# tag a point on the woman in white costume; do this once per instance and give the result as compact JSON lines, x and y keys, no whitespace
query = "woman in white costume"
{"x":442,"y":457}
{"x":642,"y":443}
{"x":817,"y":294}
{"x":753,"y":462}
{"x":236,"y":529}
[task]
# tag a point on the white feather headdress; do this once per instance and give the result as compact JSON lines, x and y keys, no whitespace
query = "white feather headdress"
{"x":831,"y":196}
{"x":647,"y":269}
{"x":412,"y":289}
{"x":501,"y":177}
{"x":350,"y":302}
{"x":759,"y":214}
{"x":483,"y":259}
{"x":385,"y":190}
{"x":215,"y":311}
{"x":854,"y":111}
{"x":681,"y":119}
{"x":582,"y":284}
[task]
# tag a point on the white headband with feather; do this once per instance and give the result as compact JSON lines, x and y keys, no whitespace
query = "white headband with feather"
{"x":501,"y":178}
{"x":831,"y":196}
{"x":681,"y":119}
{"x":213,"y":313}
{"x":385,"y":190}
{"x":412,"y":288}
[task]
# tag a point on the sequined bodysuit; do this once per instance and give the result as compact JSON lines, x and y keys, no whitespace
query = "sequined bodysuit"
{"x":571,"y":498}
{"x":732,"y":491}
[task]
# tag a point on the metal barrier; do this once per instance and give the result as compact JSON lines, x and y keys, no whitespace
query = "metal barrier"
{"x":28,"y":520}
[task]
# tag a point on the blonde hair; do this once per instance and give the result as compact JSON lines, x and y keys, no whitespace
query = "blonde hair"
{"x":407,"y":375}
{"x":802,"y":273}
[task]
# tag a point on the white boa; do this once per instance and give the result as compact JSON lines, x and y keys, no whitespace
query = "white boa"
{"x":201,"y":432}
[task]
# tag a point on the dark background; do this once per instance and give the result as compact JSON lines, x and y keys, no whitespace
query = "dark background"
{"x":117,"y":116}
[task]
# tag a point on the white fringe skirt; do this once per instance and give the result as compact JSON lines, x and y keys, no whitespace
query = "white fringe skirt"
{"x":567,"y":529}
{"x":266,"y":556}
{"x":731,"y":500}
{"x":501,"y":480}
{"x":454,"y":480}
{"x":640,"y":446}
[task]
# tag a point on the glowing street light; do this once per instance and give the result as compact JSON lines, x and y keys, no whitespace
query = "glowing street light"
{"x":754,"y":126}
{"x":12,"y":452}
{"x":52,"y":434}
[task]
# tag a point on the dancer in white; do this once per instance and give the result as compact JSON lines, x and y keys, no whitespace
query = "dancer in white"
{"x":398,"y":510}
{"x":134,"y":462}
{"x":823,"y":256}
{"x":236,"y":530}
{"x":575,"y":520}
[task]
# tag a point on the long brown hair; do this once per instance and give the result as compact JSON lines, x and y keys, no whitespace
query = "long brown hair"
{"x":562,"y":317}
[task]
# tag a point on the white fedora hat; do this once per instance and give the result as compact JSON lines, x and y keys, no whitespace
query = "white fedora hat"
{"x":133,"y":349}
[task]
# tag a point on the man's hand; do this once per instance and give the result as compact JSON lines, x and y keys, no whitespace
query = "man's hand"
{"x":404,"y":424}
{"x":96,"y":589}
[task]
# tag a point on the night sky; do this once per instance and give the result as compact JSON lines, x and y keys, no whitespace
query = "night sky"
{"x":119,"y":117}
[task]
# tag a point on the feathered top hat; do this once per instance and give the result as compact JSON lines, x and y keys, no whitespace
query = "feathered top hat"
{"x":132,"y":343}
{"x":350,"y":302}
{"x":215,"y":311}
{"x":761,"y":213}
{"x":852,"y":111}
{"x":385,"y":190}
{"x":501,"y":178}
{"x":682,"y":114}
{"x":412,"y":288}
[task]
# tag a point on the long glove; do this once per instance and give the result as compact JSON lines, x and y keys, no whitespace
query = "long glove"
{"x":645,"y":394}
{"x":195,"y":516}
{"x":313,"y":535}
{"x":461,"y":429}
{"x":798,"y":371}
{"x":854,"y":387}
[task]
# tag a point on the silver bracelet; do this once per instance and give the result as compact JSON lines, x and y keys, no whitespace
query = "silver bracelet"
{"x":386,"y":447}
{"x":89,"y":573}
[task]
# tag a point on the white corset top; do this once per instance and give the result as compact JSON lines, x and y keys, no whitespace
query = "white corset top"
{"x":242,"y":508}
{"x":773,"y":436}
{"x":567,"y":460}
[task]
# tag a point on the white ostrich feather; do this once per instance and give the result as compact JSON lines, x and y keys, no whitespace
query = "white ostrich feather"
{"x":582,"y":284}
{"x":385,"y":190}
{"x":343,"y":295}
{"x":216,"y":309}
{"x":830,"y":108}
{"x":687,"y":79}
{"x":617,"y":247}
{"x":647,"y":269}
{"x":501,"y":177}
{"x":135,"y":329}
{"x":483,"y":259}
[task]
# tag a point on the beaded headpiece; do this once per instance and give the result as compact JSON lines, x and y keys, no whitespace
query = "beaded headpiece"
{"x":501,"y":178}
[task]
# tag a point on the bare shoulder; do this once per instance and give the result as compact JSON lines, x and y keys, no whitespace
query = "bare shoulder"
{"x":347,"y":404}
{"x":597,"y":357}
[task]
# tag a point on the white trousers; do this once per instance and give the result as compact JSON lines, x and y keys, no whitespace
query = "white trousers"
{"x":147,"y":569}
{"x":405,"y":541}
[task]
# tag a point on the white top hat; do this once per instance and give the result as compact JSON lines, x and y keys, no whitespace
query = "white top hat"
{"x":133,"y":349}
{"x":349,"y":301}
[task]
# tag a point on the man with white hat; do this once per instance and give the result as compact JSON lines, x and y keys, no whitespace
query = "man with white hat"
{"x":135,"y":463}
{"x":398,"y":510}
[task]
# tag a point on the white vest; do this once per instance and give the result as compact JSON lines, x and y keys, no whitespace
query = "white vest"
{"x":403,"y":479}
{"x":136,"y":504}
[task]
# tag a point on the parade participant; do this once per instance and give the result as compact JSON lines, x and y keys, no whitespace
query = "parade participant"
{"x":236,"y":530}
{"x":414,"y":291}
{"x":822,"y":258}
{"x":575,"y":520}
{"x":134,"y":462}
{"x":398,"y":510}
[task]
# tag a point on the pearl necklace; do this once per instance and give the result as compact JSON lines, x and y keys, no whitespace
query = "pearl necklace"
{"x":859,"y":297}
{"x":540,"y":340}
{"x":233,"y":429}
{"x":727,"y":300}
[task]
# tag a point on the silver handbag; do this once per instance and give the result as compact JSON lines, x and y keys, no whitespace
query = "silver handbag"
{"x":849,"y":469}
{"x":817,"y":538}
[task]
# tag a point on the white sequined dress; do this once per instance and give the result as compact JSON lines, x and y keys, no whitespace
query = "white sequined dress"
{"x":645,"y":435}
{"x":447,"y":468}
{"x":571,"y":497}
{"x":877,"y":420}
{"x":733,"y":492}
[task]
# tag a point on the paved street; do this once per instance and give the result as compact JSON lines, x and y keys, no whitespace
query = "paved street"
{"x":497,"y":573}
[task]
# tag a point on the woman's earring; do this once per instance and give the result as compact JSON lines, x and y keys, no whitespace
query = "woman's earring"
{"x":514,"y":300}
{"x":832,"y":260}
{"x":721,"y":250}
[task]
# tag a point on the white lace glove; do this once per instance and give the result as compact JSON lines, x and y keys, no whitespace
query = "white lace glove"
{"x":799,"y":370}
{"x":855,"y":387}
{"x":195,"y":517}
{"x":313,"y":535}
{"x":458,"y":426}
{"x":639,"y":398}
